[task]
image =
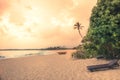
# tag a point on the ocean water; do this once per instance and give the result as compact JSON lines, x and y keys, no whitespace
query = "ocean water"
{"x":26,"y":53}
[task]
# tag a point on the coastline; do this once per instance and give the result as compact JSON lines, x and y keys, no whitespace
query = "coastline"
{"x":27,"y":53}
{"x":53,"y":67}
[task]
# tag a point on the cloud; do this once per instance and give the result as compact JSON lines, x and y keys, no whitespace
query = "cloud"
{"x":3,"y":30}
{"x":44,"y":22}
{"x":77,"y":11}
{"x":17,"y":18}
{"x":59,"y":27}
{"x":53,"y":6}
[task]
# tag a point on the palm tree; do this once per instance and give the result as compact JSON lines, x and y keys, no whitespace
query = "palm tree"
{"x":78,"y":27}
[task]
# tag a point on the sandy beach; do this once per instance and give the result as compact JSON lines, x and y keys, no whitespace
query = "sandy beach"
{"x":53,"y":67}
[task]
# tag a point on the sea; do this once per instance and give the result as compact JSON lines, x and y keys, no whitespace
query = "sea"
{"x":27,"y":53}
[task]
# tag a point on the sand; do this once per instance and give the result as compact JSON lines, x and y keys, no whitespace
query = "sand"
{"x":53,"y":67}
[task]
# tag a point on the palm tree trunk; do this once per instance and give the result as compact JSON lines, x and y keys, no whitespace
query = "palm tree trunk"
{"x":79,"y":33}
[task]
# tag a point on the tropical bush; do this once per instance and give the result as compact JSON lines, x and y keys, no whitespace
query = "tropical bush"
{"x":79,"y":52}
{"x":103,"y":37}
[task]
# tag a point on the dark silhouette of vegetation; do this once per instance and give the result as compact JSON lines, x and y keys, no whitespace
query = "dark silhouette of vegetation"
{"x":49,"y":48}
{"x":56,"y":48}
{"x":103,"y":37}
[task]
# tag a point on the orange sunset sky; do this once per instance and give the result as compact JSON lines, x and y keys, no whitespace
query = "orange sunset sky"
{"x":42,"y":23}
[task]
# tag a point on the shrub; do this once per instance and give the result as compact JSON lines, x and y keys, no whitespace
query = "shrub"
{"x":103,"y":37}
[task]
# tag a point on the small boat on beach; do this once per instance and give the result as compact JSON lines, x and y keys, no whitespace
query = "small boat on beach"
{"x":61,"y":53}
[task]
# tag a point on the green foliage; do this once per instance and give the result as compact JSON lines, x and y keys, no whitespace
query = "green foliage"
{"x":81,"y":54}
{"x":103,"y":37}
{"x":78,"y":53}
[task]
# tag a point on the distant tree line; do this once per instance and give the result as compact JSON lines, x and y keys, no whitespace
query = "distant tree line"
{"x":56,"y":48}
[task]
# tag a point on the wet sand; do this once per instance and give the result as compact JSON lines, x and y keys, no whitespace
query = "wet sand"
{"x":53,"y":67}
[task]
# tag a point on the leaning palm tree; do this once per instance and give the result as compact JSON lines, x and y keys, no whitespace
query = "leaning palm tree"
{"x":78,"y":27}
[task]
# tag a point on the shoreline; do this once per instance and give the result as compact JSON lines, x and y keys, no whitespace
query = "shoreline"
{"x":18,"y":54}
{"x":53,"y":67}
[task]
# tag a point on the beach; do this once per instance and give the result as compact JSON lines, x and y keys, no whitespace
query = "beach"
{"x":53,"y":67}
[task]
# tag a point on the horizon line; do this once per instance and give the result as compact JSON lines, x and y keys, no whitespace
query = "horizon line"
{"x":34,"y":49}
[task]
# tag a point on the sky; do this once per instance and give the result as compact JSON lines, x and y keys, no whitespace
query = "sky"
{"x":43,"y":23}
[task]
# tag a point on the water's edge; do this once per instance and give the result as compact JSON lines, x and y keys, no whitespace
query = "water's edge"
{"x":16,"y":54}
